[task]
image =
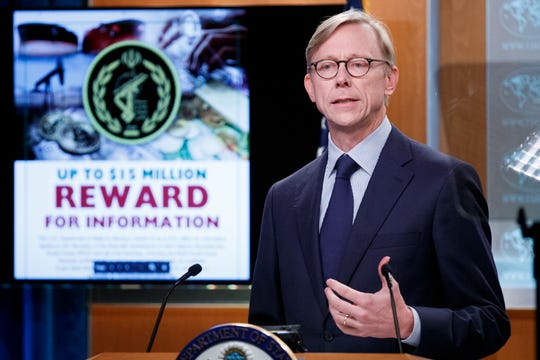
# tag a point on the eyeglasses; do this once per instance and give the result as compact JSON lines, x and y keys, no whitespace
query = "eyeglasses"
{"x":356,"y":67}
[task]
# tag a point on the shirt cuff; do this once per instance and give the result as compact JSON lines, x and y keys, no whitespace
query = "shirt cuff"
{"x":414,"y":338}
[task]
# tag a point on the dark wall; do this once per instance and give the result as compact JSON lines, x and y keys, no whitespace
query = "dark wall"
{"x":285,"y":126}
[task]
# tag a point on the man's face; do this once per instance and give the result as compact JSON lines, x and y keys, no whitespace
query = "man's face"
{"x":349,"y":102}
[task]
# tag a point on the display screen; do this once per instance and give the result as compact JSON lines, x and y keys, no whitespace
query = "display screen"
{"x":136,"y":154}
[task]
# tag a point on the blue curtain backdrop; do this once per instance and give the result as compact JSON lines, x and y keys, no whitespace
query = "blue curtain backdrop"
{"x":46,"y":322}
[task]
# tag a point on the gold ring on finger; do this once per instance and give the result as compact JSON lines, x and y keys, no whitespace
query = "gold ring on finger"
{"x":347,"y":316}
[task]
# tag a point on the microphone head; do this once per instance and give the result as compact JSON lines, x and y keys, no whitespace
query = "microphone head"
{"x":386,"y":270}
{"x":195,"y":269}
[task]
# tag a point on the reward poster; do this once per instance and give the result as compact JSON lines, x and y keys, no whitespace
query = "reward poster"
{"x":137,"y":167}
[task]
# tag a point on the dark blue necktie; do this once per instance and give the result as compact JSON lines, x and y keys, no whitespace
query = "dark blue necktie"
{"x":338,"y":219}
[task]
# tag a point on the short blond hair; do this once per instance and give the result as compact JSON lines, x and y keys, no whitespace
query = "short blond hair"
{"x":329,"y":26}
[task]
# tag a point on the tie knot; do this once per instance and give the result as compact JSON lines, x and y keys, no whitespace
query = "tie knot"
{"x":345,"y":167}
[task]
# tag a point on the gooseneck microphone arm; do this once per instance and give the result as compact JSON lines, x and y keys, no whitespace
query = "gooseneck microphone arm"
{"x":192,"y":271}
{"x":386,"y":271}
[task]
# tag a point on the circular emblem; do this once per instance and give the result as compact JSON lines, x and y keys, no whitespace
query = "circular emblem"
{"x":236,"y":342}
{"x":519,"y":90}
{"x":131,"y":93}
{"x":520,"y":18}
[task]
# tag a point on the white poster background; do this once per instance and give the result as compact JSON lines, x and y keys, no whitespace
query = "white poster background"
{"x":63,"y":240}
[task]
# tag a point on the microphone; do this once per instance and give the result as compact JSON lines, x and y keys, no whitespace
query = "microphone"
{"x":386,"y":271}
{"x":193,"y":270}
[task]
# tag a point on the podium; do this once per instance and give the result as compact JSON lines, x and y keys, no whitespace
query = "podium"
{"x":299,"y":356}
{"x":244,"y":341}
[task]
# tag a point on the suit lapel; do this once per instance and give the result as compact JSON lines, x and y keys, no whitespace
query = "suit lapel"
{"x":387,"y":183}
{"x":307,"y":209}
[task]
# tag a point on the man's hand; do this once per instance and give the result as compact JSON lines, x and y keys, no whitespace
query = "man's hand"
{"x":368,"y":315}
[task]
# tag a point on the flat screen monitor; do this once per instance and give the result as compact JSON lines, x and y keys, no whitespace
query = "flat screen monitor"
{"x":149,"y":137}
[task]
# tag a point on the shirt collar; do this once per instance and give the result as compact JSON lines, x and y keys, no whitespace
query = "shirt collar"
{"x":366,"y":153}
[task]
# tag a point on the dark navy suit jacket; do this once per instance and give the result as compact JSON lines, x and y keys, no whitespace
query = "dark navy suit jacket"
{"x":424,"y":209}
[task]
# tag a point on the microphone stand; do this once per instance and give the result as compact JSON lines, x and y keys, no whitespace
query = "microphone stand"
{"x":192,"y":271}
{"x":158,"y":319}
{"x":532,"y":232}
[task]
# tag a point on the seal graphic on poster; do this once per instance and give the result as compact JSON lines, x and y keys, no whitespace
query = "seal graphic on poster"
{"x":131,"y":92}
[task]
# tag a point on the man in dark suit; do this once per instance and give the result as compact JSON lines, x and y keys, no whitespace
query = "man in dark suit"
{"x":413,"y":206}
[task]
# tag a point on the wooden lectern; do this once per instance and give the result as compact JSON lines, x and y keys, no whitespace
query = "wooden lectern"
{"x":243,"y":341}
{"x":301,"y":356}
